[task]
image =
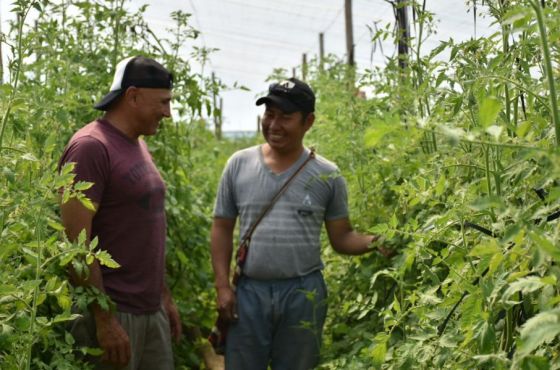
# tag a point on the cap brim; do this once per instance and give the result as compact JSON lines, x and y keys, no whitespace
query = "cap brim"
{"x":108,"y":99}
{"x":284,"y":104}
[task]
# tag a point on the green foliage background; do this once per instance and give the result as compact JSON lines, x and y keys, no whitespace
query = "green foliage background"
{"x":462,"y":140}
{"x":63,"y":57}
{"x":465,"y":135}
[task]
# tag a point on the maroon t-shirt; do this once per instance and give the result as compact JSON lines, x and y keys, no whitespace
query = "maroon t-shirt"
{"x":130,"y":221}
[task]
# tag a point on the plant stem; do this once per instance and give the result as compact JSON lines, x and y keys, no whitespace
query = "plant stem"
{"x":35,"y":293}
{"x":487,"y":165}
{"x":21,"y":21}
{"x":117,"y":10}
{"x":548,"y":70}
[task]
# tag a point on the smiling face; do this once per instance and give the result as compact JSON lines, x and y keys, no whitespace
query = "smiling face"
{"x":151,"y":106}
{"x":283,"y":131}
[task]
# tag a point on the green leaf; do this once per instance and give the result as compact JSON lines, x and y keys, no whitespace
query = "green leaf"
{"x":93,"y":243}
{"x":64,"y":301}
{"x":29,"y":157}
{"x":396,"y":305}
{"x":535,"y":363}
{"x":489,"y":247}
{"x":528,"y":284}
{"x":495,"y":262}
{"x":540,"y":329}
{"x":6,"y":290}
{"x":67,"y":168}
{"x":105,"y":259}
{"x":485,"y":203}
{"x":546,"y":245}
{"x":374,"y":135}
{"x":488,"y":111}
{"x":523,"y":128}
{"x":69,"y":339}
{"x":379,"y":350}
{"x":487,"y":338}
{"x":66,"y":258}
{"x":394,"y":222}
{"x":65,"y":317}
{"x":82,"y":237}
{"x":87,"y":203}
{"x":91,"y":351}
{"x":55,"y":225}
{"x":82,"y":185}
{"x":440,"y":186}
{"x":379,"y":229}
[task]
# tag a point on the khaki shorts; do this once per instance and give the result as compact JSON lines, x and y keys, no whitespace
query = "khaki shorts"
{"x":149,"y":335}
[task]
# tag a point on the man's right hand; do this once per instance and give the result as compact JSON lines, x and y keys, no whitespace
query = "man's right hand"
{"x":113,"y":340}
{"x":227,"y":305}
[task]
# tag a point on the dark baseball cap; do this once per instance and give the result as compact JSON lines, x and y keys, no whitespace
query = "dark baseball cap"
{"x":136,"y":71}
{"x":291,"y":95}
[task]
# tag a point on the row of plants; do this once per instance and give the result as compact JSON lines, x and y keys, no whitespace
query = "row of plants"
{"x":61,"y":58}
{"x":455,"y":159}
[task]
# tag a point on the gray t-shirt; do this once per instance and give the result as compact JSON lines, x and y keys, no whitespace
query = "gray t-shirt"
{"x":287,"y":241}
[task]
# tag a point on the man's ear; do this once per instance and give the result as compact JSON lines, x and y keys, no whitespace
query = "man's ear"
{"x":130,"y":96}
{"x":309,"y":120}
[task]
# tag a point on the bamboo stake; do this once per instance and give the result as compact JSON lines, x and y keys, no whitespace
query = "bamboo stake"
{"x":548,"y":70}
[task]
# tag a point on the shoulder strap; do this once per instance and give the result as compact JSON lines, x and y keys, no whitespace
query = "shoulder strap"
{"x":284,"y":187}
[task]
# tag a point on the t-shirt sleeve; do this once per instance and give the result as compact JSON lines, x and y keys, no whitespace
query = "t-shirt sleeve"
{"x":338,"y":205}
{"x":91,"y":164}
{"x":226,"y":206}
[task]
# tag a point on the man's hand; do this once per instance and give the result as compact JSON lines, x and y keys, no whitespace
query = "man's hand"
{"x":227,"y":304}
{"x":376,"y":244}
{"x":112,"y":339}
{"x":386,"y":252}
{"x":174,"y":319}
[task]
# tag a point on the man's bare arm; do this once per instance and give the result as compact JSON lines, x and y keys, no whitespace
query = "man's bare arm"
{"x":111,"y":336}
{"x":222,"y":250}
{"x":347,"y":241}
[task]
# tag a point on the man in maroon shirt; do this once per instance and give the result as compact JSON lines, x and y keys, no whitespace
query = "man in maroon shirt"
{"x":128,"y":221}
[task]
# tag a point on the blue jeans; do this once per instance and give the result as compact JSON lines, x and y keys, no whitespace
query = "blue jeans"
{"x":280,"y":324}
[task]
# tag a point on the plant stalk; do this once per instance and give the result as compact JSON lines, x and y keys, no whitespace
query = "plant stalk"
{"x":35,"y":295}
{"x":548,"y":70}
{"x":22,"y":16}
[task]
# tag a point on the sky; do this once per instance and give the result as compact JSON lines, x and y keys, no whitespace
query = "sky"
{"x":253,"y":37}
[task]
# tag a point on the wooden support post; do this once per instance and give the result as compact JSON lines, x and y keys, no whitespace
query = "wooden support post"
{"x":304,"y":67}
{"x":294,"y":72}
{"x":1,"y":57}
{"x":220,"y":121}
{"x":321,"y":50}
{"x":258,"y":124}
{"x":403,"y":34}
{"x":216,"y":118}
{"x":349,"y":32}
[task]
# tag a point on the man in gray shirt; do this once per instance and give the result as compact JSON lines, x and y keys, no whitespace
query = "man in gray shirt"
{"x":278,"y":309}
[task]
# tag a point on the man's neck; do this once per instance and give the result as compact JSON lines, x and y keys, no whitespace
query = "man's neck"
{"x":121,"y":123}
{"x":279,"y":161}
